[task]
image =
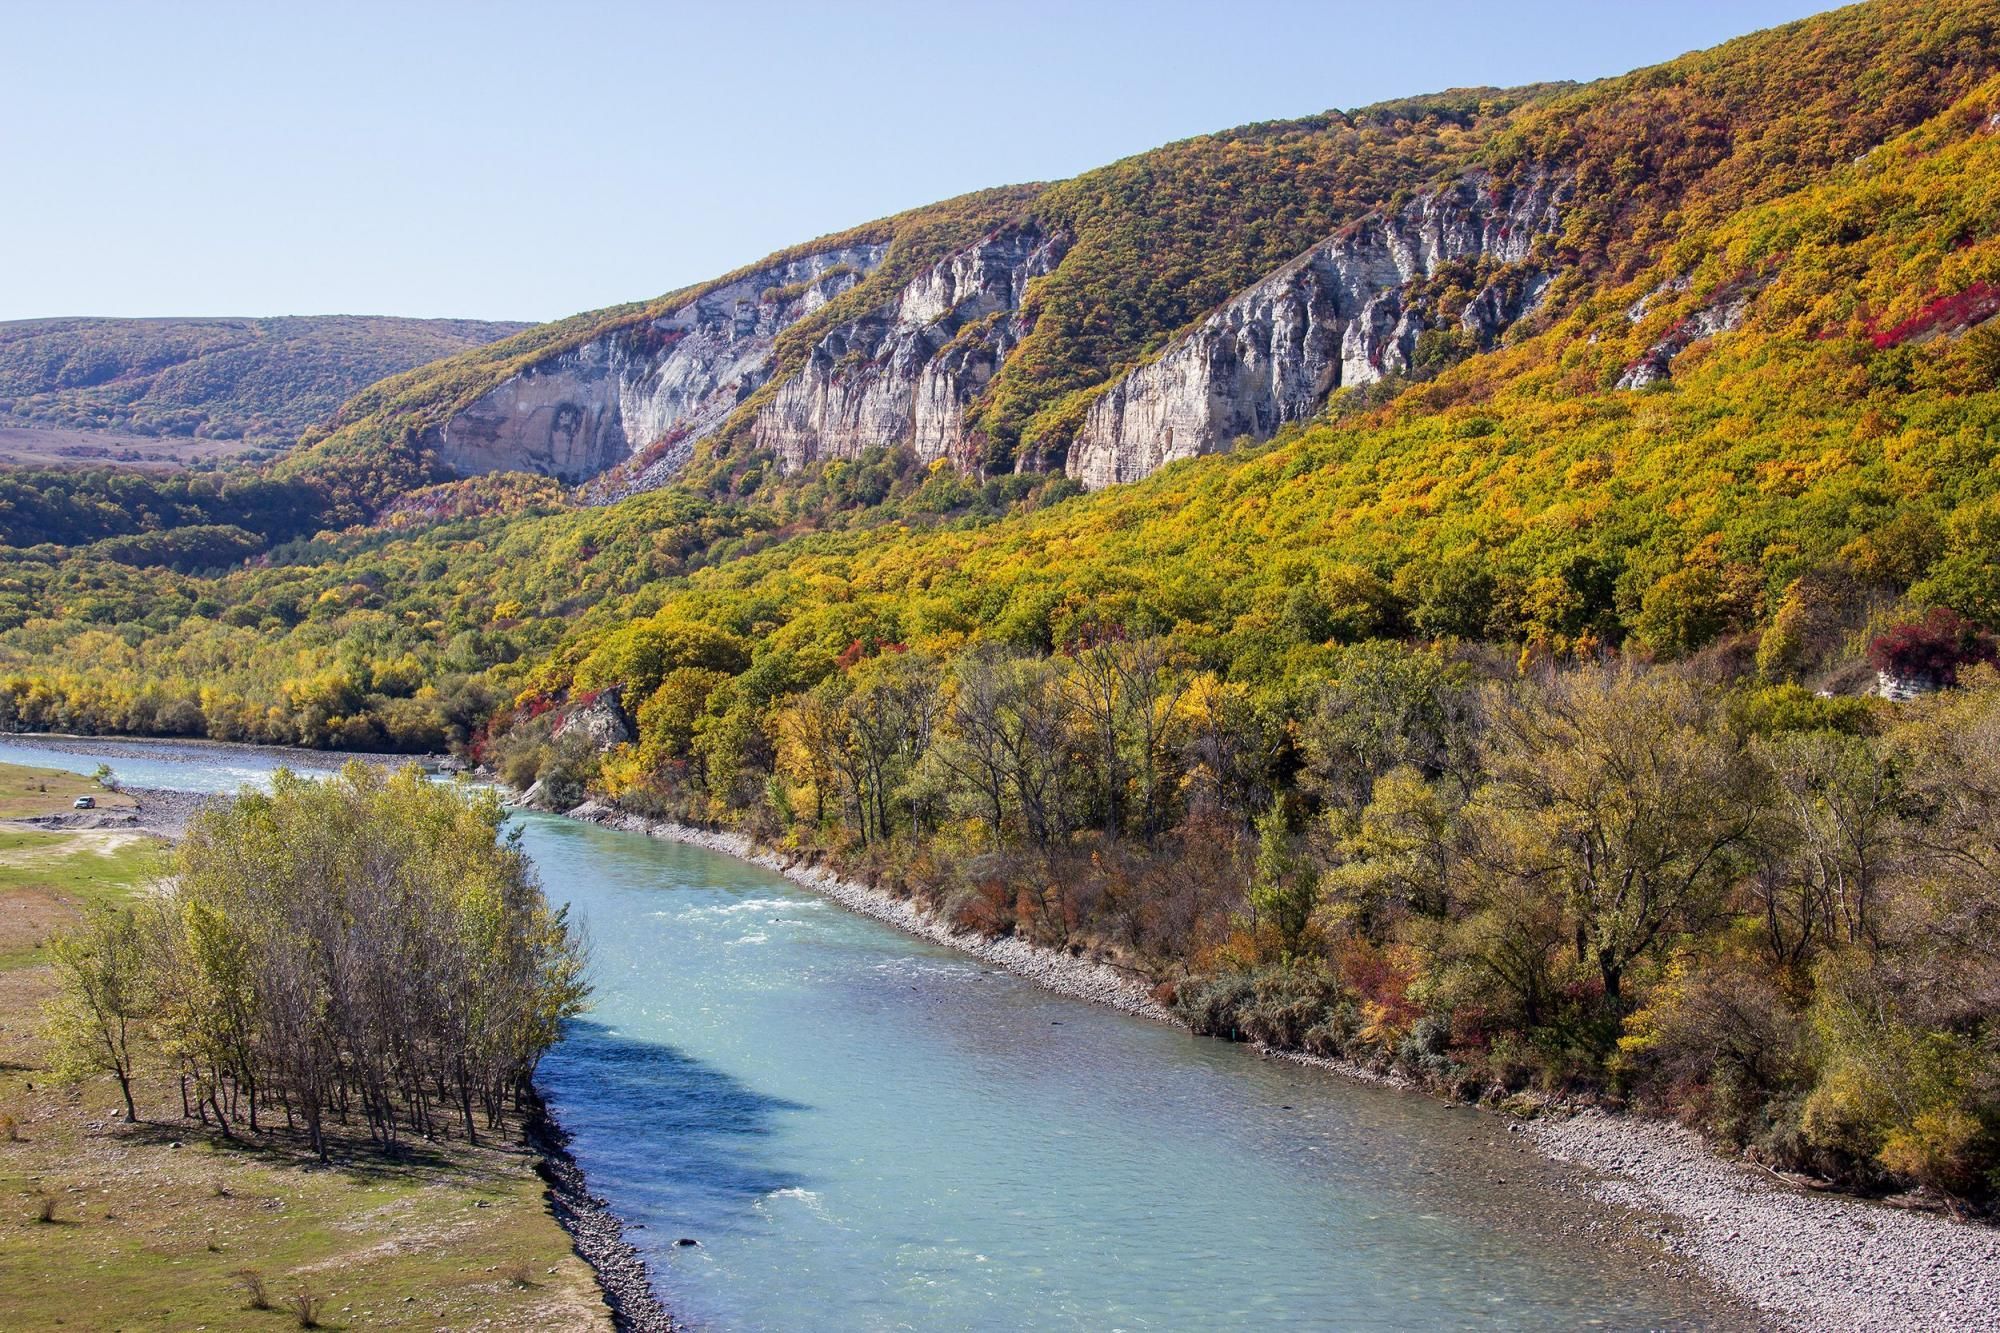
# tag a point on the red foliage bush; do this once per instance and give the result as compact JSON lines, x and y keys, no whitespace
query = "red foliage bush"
{"x":1979,"y":301}
{"x":861,"y":648}
{"x":1932,"y":649}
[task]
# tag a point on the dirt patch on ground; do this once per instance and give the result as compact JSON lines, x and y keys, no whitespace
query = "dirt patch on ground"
{"x":97,"y":841}
{"x":29,"y":916}
{"x":22,"y":993}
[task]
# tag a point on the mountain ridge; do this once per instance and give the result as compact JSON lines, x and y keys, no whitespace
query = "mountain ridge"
{"x":1256,"y":199}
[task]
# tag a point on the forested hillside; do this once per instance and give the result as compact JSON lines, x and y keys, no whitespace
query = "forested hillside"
{"x":1508,"y":718}
{"x":261,"y":381}
{"x":1504,"y":210}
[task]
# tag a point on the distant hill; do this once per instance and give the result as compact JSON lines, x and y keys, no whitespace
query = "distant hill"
{"x":235,"y":382}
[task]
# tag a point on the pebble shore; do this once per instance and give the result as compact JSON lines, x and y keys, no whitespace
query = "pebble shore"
{"x":166,"y":812}
{"x":597,"y":1233}
{"x":1814,"y":1262}
{"x":1818,"y":1261}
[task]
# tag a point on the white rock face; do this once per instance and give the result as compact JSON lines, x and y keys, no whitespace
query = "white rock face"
{"x":671,"y":380}
{"x":1724,"y":314}
{"x":1337,"y":315}
{"x":904,"y":372}
{"x":603,"y":721}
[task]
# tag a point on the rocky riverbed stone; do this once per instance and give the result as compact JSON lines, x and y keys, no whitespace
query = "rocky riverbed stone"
{"x":1821,"y":1261}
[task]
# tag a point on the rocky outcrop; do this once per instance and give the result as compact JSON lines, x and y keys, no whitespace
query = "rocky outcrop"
{"x":634,"y":402}
{"x":661,"y":384}
{"x":598,"y":718}
{"x":1343,"y":313}
{"x":904,"y":372}
{"x":1723,"y":314}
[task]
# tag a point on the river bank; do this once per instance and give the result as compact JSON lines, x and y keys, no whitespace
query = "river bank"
{"x":1079,"y":978}
{"x":615,"y":1270}
{"x":1805,"y":1261}
{"x":193,"y":747}
{"x":599,"y":1237}
{"x":189,"y":747}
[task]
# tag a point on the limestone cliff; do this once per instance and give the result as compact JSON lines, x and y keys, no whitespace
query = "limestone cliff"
{"x":1347,"y":312}
{"x":666,"y":382}
{"x":1344,"y":313}
{"x":904,"y":372}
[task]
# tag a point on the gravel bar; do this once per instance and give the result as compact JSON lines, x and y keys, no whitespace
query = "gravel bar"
{"x":1821,"y":1261}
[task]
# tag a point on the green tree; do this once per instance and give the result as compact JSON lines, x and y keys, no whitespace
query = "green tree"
{"x":363,"y":945}
{"x":1454,"y":597}
{"x":103,"y":998}
{"x":1285,"y":891}
{"x":1624,"y":797}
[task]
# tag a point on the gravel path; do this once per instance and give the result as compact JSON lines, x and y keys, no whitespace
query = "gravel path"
{"x":1810,"y":1261}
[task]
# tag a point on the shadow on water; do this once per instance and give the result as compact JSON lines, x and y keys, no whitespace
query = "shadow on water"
{"x":704,"y":1138}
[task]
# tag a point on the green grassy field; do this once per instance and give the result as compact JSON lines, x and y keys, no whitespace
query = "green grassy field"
{"x":46,"y":877}
{"x":154,"y":1223}
{"x":28,"y":792}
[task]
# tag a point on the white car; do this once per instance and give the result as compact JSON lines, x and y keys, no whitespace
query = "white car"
{"x":85,"y":803}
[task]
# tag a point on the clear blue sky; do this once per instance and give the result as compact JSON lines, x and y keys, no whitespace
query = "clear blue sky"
{"x":517,"y":160}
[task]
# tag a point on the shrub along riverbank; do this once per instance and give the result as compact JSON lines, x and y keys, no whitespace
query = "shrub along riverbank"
{"x":163,"y":1220}
{"x":1764,"y":912}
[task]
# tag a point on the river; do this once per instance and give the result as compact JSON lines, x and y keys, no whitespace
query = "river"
{"x":864,"y":1131}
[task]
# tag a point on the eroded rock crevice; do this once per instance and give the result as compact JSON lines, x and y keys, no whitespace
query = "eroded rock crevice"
{"x":1345,"y":313}
{"x":904,"y":373}
{"x":659,"y":385}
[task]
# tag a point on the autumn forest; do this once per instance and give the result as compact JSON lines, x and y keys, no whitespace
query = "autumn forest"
{"x":1520,"y":722}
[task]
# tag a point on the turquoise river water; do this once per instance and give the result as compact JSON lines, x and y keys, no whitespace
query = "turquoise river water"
{"x":864,"y":1131}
